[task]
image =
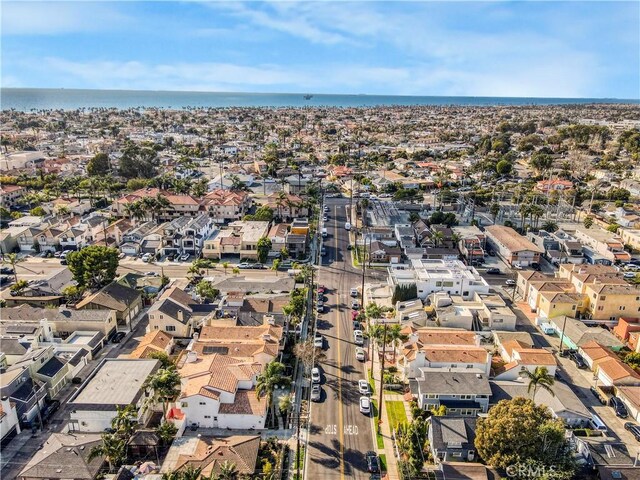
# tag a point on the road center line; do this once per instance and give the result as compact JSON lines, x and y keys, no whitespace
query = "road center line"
{"x":340,"y":409}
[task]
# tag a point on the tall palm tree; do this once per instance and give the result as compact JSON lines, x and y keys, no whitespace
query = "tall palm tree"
{"x":228,"y":471}
{"x":395,"y":337}
{"x":166,"y":385}
{"x":12,"y":259}
{"x":540,"y":378}
{"x":374,"y":332}
{"x":124,"y":422}
{"x":113,"y":449}
{"x":225,"y":265}
{"x":272,"y":376}
{"x":437,"y":238}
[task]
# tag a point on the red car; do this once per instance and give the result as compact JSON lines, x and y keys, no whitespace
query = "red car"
{"x":354,"y":314}
{"x":321,"y":289}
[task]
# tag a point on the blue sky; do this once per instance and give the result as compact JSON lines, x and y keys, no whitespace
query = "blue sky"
{"x":536,"y":49}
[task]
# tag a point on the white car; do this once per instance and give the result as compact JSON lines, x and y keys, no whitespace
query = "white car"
{"x":347,"y":226}
{"x":629,"y":275}
{"x":517,"y":266}
{"x":315,"y":375}
{"x":510,"y":283}
{"x":316,"y":393}
{"x":355,"y":305}
{"x":363,"y":387}
{"x":320,"y":307}
{"x":360,"y":355}
{"x":325,"y":218}
{"x":358,"y":338}
{"x":354,"y":292}
{"x":365,"y":405}
{"x":326,"y":208}
{"x":318,"y":341}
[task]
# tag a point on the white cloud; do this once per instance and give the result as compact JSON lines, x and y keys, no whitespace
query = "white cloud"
{"x":54,"y":17}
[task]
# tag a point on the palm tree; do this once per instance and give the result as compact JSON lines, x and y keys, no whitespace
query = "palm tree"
{"x":276,"y":265}
{"x":272,"y":376}
{"x":235,"y":270}
{"x":124,"y":422}
{"x":540,"y":378}
{"x":166,"y":432}
{"x":166,"y":385}
{"x":284,"y":405}
{"x":375,"y":332}
{"x":455,"y":239}
{"x":225,"y":265}
{"x":437,"y":238}
{"x":19,"y":287}
{"x":113,"y":449}
{"x":396,"y":338}
{"x":228,"y":471}
{"x":12,"y":259}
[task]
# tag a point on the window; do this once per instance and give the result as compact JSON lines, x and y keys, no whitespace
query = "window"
{"x":184,"y":404}
{"x":431,"y":395}
{"x":155,"y":327}
{"x":600,"y":308}
{"x":203,"y":403}
{"x":207,"y":416}
{"x":215,"y":419}
{"x":161,"y":317}
{"x":622,"y":307}
{"x":603,"y":297}
{"x":573,"y":307}
{"x":170,"y":328}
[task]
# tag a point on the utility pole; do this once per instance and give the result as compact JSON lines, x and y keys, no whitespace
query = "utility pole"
{"x":384,"y":351}
{"x":564,"y":324}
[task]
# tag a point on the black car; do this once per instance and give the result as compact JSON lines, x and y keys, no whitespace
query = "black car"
{"x":117,"y":338}
{"x":619,"y":407}
{"x":493,"y":271}
{"x":578,"y":360}
{"x":633,"y":429}
{"x":50,"y":409}
{"x":373,"y":462}
{"x":535,"y":266}
{"x":597,"y":394}
{"x":6,"y":271}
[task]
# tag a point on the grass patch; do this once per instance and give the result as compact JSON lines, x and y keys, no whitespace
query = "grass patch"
{"x":376,"y":417}
{"x":295,"y":462}
{"x":372,"y":383}
{"x":396,"y":413}
{"x":383,"y":462}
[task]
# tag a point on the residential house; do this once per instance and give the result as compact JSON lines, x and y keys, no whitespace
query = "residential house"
{"x":563,"y":402}
{"x":42,"y":293}
{"x":116,"y":382}
{"x":630,"y":395}
{"x":186,"y":235}
{"x":125,"y":301}
{"x":27,"y":394}
{"x":607,"y":366}
{"x":625,"y":328}
{"x":218,"y":391}
{"x":379,"y":252}
{"x":610,"y":302}
{"x":155,"y":341}
{"x":64,"y":456}
{"x":9,"y":422}
{"x":278,"y":237}
{"x":227,"y":205}
{"x":240,"y":238}
{"x":512,"y":247}
{"x":575,"y":333}
{"x":463,"y":393}
{"x":210,"y":454}
{"x":177,"y":205}
{"x":630,"y":237}
{"x":287,"y":206}
{"x":519,"y":357}
{"x":173,"y":313}
{"x":141,"y":239}
{"x":10,"y":195}
{"x":605,"y":243}
{"x":296,"y":184}
{"x":452,"y":438}
{"x":446,"y":357}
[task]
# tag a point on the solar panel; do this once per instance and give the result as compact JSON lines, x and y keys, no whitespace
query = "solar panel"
{"x":207,"y":350}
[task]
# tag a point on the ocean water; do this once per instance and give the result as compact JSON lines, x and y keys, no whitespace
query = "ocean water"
{"x":27,"y":99}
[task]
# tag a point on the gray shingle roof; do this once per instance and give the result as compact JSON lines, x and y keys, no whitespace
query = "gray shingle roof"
{"x":453,"y":383}
{"x":449,"y":429}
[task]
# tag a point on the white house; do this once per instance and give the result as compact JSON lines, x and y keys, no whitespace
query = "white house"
{"x":9,"y":424}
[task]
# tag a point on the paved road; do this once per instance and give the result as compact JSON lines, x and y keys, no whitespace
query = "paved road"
{"x":339,"y":434}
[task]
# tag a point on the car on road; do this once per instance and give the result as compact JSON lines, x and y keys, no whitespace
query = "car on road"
{"x":517,"y":266}
{"x":320,"y":307}
{"x":629,"y":275}
{"x":5,"y":280}
{"x":347,"y":226}
{"x":354,"y":292}
{"x":151,"y":274}
{"x":325,"y":218}
{"x":373,"y":462}
{"x":597,"y":394}
{"x":315,"y":375}
{"x":318,"y":341}
{"x":146,"y":257}
{"x":363,"y":387}
{"x":494,"y":271}
{"x":244,"y":265}
{"x":184,"y":257}
{"x":358,"y":338}
{"x":322,"y":289}
{"x":633,"y":429}
{"x":6,"y":271}
{"x":117,"y":338}
{"x":618,"y":407}
{"x":316,"y":393}
{"x":365,"y":405}
{"x":510,"y":282}
{"x":355,"y":305}
{"x":577,"y":359}
{"x":357,"y":325}
{"x":360,"y":355}
{"x":326,"y":208}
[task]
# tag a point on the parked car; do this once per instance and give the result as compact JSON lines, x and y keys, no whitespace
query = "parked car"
{"x":320,"y":307}
{"x":355,"y":305}
{"x":360,"y":355}
{"x":244,"y":265}
{"x":494,"y":271}
{"x":257,"y":266}
{"x":577,"y":359}
{"x":63,"y":261}
{"x":152,"y":274}
{"x":358,"y":338}
{"x":325,"y":218}
{"x":373,"y":462}
{"x":322,"y":289}
{"x":510,"y":282}
{"x":517,"y":266}
{"x":117,"y":338}
{"x":365,"y":405}
{"x":354,"y":292}
{"x":326,"y":208}
{"x":535,"y":266}
{"x":318,"y":341}
{"x":184,"y":257}
{"x":357,"y":325}
{"x":121,"y":255}
{"x":323,"y":251}
{"x":619,"y":407}
{"x":597,"y":394}
{"x":315,"y":375}
{"x":363,"y":387}
{"x":629,"y":275}
{"x":316,"y":393}
{"x":633,"y":429}
{"x":6,"y":271}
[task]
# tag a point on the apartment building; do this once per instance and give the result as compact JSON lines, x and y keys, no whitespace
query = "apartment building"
{"x":512,"y":247}
{"x":238,"y":239}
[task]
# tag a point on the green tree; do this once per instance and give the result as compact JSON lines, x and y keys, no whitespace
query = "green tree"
{"x":549,"y":226}
{"x":494,"y":210}
{"x":165,"y":361}
{"x":396,"y":337}
{"x":166,"y":432}
{"x":205,"y":290}
{"x":284,"y":406}
{"x":588,"y":222}
{"x":12,"y":259}
{"x":37,"y":212}
{"x":98,"y":165}
{"x":72,"y":293}
{"x":541,"y":161}
{"x":263,"y":249}
{"x":113,"y":450}
{"x":228,"y":471}
{"x":136,"y":183}
{"x":265,"y":385}
{"x":93,"y":266}
{"x":225,"y":265}
{"x":124,"y":423}
{"x":504,"y":167}
{"x":165,"y":384}
{"x":276,"y":265}
{"x":373,"y":310}
{"x":263,"y":214}
{"x":518,"y":430}
{"x":633,"y":360}
{"x":137,"y":161}
{"x":19,"y":287}
{"x":539,"y":378}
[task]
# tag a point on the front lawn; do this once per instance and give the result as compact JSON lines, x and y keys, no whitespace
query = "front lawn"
{"x":396,"y":413}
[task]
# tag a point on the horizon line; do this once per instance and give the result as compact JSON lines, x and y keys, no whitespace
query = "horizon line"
{"x":316,"y":94}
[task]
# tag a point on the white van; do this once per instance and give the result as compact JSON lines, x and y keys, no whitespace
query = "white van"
{"x":347,"y":226}
{"x":324,"y":233}
{"x":597,"y":423}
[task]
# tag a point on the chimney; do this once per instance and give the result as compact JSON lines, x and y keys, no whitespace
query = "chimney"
{"x":180,"y":316}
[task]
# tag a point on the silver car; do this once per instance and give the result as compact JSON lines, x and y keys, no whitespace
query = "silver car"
{"x":316,"y":393}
